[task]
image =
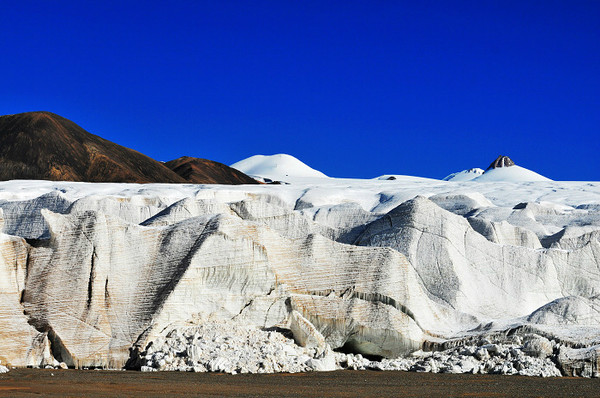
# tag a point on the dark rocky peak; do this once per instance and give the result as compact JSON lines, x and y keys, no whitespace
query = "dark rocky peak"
{"x":204,"y":171}
{"x":501,"y":161}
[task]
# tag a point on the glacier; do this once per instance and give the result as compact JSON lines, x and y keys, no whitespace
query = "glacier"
{"x":103,"y":275}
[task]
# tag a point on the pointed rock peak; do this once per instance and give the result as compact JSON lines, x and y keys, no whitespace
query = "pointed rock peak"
{"x":501,"y":161}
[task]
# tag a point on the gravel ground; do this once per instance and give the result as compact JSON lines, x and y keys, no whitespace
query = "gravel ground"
{"x":346,"y":383}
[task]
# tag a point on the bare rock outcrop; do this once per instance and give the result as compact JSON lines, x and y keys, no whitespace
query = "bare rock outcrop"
{"x":501,"y":161}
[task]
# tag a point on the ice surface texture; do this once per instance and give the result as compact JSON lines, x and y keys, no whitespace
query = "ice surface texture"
{"x":91,"y":273}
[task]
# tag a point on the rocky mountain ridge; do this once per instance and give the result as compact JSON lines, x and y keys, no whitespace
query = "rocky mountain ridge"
{"x":45,"y":146}
{"x":204,"y":171}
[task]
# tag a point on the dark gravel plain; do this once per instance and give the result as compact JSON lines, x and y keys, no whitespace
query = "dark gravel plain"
{"x":92,"y":383}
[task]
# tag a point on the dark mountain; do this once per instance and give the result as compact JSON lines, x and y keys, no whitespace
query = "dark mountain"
{"x":204,"y":171}
{"x":501,"y":161}
{"x":45,"y":146}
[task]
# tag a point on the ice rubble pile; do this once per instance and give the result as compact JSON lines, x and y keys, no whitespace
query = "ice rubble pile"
{"x":90,"y":273}
{"x":512,"y":357}
{"x":218,"y":346}
{"x":226,"y":346}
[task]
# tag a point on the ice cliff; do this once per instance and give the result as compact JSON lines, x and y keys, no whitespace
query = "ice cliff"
{"x":97,"y":274}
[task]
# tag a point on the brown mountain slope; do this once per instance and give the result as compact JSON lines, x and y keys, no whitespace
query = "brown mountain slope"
{"x":42,"y":145}
{"x":203,"y":171}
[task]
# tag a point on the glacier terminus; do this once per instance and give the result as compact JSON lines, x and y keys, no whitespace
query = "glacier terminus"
{"x":319,"y":274}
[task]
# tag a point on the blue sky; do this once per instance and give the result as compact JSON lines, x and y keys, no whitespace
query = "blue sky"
{"x":352,"y":88}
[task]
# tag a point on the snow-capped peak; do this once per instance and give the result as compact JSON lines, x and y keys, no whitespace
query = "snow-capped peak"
{"x":465,"y":175}
{"x":280,"y":167}
{"x":501,"y":169}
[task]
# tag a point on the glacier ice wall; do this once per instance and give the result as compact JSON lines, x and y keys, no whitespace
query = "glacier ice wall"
{"x":90,"y":273}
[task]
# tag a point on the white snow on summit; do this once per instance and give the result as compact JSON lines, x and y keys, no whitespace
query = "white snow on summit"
{"x":511,"y":174}
{"x":465,"y":175}
{"x":288,"y":169}
{"x":502,"y":168}
{"x":279,"y":167}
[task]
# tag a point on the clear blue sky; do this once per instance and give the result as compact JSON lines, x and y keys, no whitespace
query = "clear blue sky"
{"x":352,"y":88}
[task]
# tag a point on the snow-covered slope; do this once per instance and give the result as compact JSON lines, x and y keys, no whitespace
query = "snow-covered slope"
{"x":279,"y":167}
{"x":465,"y":175}
{"x":400,"y":177}
{"x":502,"y":168}
{"x":511,"y":174}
